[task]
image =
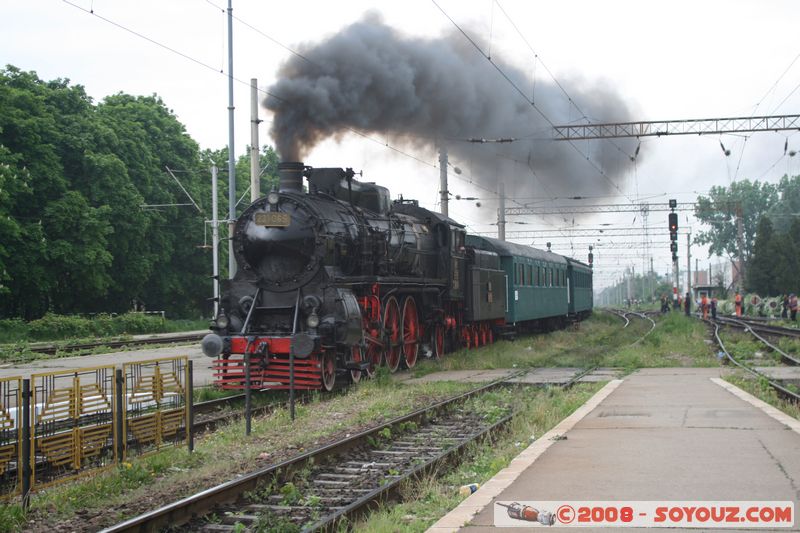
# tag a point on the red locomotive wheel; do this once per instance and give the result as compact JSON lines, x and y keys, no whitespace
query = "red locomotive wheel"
{"x":355,"y":352}
{"x":328,"y":370}
{"x":437,"y":341}
{"x":392,"y":334}
{"x":410,"y":332}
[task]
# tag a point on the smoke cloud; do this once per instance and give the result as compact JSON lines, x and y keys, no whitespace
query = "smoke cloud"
{"x":426,"y":92}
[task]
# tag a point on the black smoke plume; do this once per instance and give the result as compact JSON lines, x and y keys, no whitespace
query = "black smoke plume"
{"x":428,"y":92}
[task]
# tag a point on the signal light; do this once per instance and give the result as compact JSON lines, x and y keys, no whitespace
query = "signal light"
{"x":673,"y":247}
{"x":591,"y":258}
{"x":674,"y":257}
{"x":673,"y":204}
{"x":673,"y":222}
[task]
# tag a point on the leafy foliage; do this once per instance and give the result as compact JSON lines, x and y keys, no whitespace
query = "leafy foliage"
{"x":720,"y":210}
{"x":772,"y":269}
{"x":75,"y":181}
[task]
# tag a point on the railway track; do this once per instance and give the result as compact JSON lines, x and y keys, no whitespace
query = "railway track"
{"x":52,"y":349}
{"x":779,"y":387}
{"x":760,"y":326}
{"x":623,"y":314}
{"x":757,"y":329}
{"x":324,"y":488}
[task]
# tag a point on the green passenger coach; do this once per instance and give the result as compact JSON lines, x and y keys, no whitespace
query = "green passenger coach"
{"x":579,"y":284}
{"x":536,"y":282}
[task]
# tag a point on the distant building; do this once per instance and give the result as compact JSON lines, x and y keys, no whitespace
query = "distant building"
{"x":700,"y":277}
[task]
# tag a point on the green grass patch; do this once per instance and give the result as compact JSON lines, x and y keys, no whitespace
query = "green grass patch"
{"x":428,"y":499}
{"x":598,"y":341}
{"x":761,"y":389}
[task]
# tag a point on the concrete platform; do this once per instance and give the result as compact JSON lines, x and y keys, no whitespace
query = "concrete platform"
{"x":663,"y":434}
{"x":788,"y":373}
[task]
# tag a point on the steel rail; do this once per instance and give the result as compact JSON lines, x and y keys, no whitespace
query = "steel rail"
{"x":764,"y":328}
{"x":182,"y":511}
{"x":643,"y":316}
{"x":774,"y":384}
{"x":751,"y":329}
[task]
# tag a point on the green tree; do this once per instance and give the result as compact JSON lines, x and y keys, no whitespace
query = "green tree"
{"x":77,"y":247}
{"x":720,"y":210}
{"x":760,"y":271}
{"x":786,"y":209}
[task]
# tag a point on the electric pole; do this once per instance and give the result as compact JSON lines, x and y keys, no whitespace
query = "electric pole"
{"x":501,"y":212}
{"x":740,"y":241}
{"x":231,"y":149}
{"x":215,"y":237}
{"x":689,"y":262}
{"x":255,"y":159}
{"x":443,"y":192}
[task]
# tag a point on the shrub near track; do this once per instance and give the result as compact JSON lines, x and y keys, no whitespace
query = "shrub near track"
{"x":60,"y":327}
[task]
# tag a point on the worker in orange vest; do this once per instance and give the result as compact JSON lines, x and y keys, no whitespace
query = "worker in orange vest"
{"x":704,"y":306}
{"x":738,"y":303}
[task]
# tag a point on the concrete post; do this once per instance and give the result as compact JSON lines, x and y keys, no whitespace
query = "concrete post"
{"x":231,"y":148}
{"x":443,"y":192}
{"x":255,"y":159}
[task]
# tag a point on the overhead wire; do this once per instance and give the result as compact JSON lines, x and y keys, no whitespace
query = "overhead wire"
{"x":524,"y":97}
{"x":238,"y":80}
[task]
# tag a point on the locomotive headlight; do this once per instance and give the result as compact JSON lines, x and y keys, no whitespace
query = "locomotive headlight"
{"x":222,"y":321}
{"x":313,"y":320}
{"x":273,"y":198}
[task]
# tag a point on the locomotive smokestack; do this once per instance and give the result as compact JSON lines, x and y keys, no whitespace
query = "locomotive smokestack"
{"x":290,"y":174}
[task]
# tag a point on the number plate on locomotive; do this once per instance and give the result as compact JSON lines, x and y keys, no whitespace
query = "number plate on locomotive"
{"x":273,"y":219}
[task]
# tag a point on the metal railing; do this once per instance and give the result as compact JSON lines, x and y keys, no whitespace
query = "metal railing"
{"x":56,"y":426}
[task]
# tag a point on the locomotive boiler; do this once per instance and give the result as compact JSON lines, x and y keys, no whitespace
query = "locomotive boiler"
{"x":341,"y":279}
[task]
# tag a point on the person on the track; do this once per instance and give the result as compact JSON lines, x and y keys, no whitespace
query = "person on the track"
{"x":714,"y":308}
{"x":793,"y":307}
{"x":704,"y":306}
{"x":738,"y":303}
{"x":687,"y":304}
{"x":785,"y":309}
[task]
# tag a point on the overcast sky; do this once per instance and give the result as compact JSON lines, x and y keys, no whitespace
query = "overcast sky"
{"x":667,"y":60}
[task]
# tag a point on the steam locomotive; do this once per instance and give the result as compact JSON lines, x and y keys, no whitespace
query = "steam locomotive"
{"x":338,"y":280}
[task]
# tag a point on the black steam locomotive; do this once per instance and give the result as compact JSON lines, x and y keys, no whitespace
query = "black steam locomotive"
{"x":341,"y":280}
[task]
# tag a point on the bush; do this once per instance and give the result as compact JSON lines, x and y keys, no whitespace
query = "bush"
{"x":53,"y":327}
{"x":13,"y":329}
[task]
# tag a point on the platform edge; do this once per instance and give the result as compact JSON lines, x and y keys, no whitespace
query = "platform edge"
{"x":773,"y":412}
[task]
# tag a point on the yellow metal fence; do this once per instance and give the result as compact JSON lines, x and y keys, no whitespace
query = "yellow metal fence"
{"x":56,"y":426}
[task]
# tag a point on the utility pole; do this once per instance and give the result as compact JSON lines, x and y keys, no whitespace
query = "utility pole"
{"x":255,"y":159}
{"x":231,"y":149}
{"x":689,"y":262}
{"x":501,"y":212}
{"x":443,"y":192}
{"x":740,"y":241}
{"x":215,"y":237}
